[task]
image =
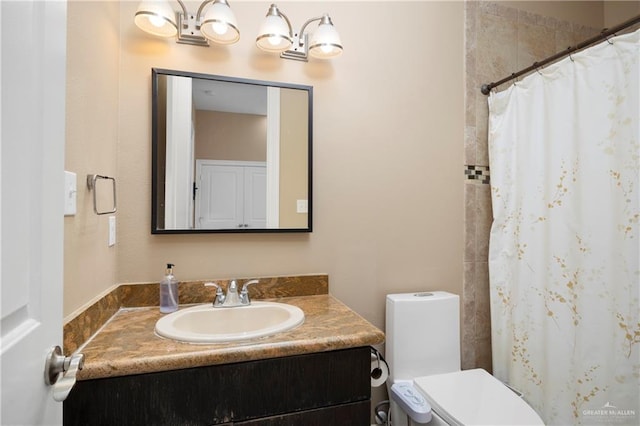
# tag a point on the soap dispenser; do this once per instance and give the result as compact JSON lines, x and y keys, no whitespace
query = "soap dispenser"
{"x":169,"y":291}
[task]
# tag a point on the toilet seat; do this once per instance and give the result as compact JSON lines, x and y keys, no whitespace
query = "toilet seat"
{"x":475,"y":397}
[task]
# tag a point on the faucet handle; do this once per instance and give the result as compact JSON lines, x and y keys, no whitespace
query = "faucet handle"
{"x":219,"y":300}
{"x":244,"y":294}
{"x":209,"y":284}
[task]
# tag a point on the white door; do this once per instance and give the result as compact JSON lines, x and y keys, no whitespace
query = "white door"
{"x":231,"y":194}
{"x":219,"y":202}
{"x":33,"y":51}
{"x":255,"y":197}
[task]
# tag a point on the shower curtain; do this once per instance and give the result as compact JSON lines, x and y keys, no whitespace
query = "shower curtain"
{"x":564,"y":254}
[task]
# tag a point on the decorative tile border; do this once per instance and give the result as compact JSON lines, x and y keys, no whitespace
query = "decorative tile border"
{"x":478,"y":174}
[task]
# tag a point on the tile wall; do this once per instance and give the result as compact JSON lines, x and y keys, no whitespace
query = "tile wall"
{"x":499,"y":40}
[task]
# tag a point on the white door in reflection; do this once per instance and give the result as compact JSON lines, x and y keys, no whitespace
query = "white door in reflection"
{"x":231,"y":194}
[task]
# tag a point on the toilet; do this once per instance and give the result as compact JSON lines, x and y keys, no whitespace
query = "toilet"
{"x":426,"y":384}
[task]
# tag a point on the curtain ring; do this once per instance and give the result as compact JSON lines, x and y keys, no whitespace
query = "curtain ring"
{"x":571,"y":57}
{"x":609,"y":41}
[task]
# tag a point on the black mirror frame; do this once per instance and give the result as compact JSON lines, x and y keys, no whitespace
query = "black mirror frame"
{"x":155,"y":73}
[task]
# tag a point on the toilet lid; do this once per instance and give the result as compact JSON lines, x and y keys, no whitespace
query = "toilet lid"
{"x":475,"y":397}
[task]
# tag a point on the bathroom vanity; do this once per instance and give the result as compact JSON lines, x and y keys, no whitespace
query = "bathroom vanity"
{"x":317,"y":373}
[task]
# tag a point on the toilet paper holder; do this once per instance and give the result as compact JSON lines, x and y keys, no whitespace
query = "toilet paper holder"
{"x":379,"y":368}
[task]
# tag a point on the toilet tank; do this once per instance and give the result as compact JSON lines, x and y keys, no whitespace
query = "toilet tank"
{"x":422,"y":334}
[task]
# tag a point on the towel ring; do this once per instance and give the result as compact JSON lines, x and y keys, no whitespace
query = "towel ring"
{"x":91,"y":184}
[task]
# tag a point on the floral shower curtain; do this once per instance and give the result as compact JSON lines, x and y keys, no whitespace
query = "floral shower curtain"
{"x":564,"y":252}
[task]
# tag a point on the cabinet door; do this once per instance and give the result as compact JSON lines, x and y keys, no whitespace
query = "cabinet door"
{"x":356,"y":413}
{"x":327,"y":388}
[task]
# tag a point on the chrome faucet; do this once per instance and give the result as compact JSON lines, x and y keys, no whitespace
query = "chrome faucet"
{"x":232,"y":298}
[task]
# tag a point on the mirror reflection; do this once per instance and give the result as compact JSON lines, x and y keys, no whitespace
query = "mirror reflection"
{"x":229,"y":154}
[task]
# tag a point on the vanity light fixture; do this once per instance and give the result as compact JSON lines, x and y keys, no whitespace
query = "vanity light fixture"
{"x":218,"y":24}
{"x":276,"y":35}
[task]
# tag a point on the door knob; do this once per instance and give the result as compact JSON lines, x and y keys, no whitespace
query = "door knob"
{"x":60,"y":372}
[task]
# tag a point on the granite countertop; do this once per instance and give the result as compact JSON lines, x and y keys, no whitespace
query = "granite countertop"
{"x":127,"y":343}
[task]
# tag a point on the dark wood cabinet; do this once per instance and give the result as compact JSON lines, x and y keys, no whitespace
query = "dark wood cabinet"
{"x":326,"y":388}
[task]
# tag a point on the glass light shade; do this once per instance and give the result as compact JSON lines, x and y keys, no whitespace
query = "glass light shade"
{"x":274,"y":35}
{"x":219,"y":24}
{"x":325,"y":41}
{"x":156,"y":17}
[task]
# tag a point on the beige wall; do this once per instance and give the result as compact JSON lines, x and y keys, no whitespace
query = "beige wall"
{"x":93,"y":68}
{"x":388,"y":132}
{"x":230,"y":136}
{"x":388,"y":197}
{"x":294,"y":155}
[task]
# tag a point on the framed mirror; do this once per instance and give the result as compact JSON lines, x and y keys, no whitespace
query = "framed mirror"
{"x":230,"y":154}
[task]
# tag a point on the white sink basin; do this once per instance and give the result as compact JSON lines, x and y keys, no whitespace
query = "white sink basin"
{"x":206,"y":324}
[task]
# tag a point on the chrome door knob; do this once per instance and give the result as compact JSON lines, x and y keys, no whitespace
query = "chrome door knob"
{"x":60,"y":372}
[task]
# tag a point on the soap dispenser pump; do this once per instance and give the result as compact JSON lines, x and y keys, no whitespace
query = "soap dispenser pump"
{"x":169,"y":291}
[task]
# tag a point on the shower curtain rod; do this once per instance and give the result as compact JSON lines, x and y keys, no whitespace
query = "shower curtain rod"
{"x":605,"y":33}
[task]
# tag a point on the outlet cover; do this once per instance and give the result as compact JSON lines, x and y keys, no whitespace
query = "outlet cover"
{"x":302,"y":206}
{"x":112,"y":231}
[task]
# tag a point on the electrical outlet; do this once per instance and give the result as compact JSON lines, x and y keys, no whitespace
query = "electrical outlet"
{"x":112,"y":231}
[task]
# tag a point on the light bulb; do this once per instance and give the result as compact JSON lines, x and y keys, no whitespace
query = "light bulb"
{"x":326,"y":48}
{"x":219,"y":28}
{"x":274,"y":40}
{"x":156,"y":21}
